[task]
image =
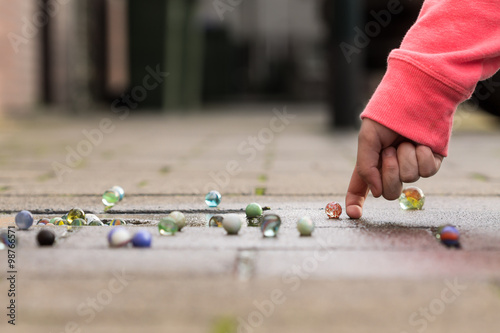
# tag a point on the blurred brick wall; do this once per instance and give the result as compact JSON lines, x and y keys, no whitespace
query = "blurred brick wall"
{"x":19,"y":63}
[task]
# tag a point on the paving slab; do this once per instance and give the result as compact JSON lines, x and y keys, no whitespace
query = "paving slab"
{"x":189,"y":304}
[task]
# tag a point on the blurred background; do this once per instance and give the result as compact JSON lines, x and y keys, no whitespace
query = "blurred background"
{"x":208,"y":84}
{"x":65,"y":56}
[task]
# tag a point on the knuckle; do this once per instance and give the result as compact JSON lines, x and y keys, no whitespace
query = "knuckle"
{"x":409,"y":177}
{"x":390,"y":164}
{"x":427,"y":172}
{"x":363,"y":172}
{"x":406,"y":150}
{"x":366,"y":172}
{"x":391,"y":167}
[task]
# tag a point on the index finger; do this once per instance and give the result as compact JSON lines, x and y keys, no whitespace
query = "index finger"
{"x":368,"y":158}
{"x":356,"y":195}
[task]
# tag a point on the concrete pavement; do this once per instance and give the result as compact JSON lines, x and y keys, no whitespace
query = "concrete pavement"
{"x":382,"y":273}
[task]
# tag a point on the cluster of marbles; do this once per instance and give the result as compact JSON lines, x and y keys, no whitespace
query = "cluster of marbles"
{"x":305,"y":226}
{"x":43,"y":222}
{"x":411,"y":198}
{"x":76,"y":217}
{"x":213,"y":198}
{"x":270,"y":225}
{"x":57,"y":221}
{"x":333,"y":210}
{"x":171,"y":224}
{"x":112,"y":196}
{"x":449,"y":236}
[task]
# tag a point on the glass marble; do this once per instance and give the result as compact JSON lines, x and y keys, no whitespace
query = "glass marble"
{"x":77,"y":224}
{"x":110,"y":198}
{"x":120,"y":191}
{"x":142,"y":238}
{"x":58,"y":221}
{"x":411,"y":198}
{"x":254,"y":221}
{"x":43,"y":221}
{"x":231,"y":223}
{"x":24,"y":220}
{"x":333,"y":210}
{"x":91,"y":218}
{"x":215,"y":221}
{"x":117,"y":222}
{"x":118,"y":237}
{"x":253,"y":210}
{"x":305,"y":226}
{"x":213,"y":199}
{"x":46,"y":237}
{"x":75,"y":213}
{"x":270,"y":225}
{"x":179,"y":219}
{"x":4,"y":238}
{"x":449,"y":235}
{"x":96,"y":223}
{"x":65,"y":217}
{"x":167,"y":226}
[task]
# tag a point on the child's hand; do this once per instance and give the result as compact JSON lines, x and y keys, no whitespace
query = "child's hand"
{"x":385,"y":160}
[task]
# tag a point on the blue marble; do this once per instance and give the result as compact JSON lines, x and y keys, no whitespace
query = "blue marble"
{"x":24,"y":220}
{"x":212,"y":199}
{"x":449,"y":235}
{"x":142,"y":238}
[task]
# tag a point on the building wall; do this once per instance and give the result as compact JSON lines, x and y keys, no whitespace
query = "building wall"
{"x":118,"y":48}
{"x":20,"y":56}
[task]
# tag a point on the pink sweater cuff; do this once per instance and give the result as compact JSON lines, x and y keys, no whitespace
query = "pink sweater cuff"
{"x":415,"y":104}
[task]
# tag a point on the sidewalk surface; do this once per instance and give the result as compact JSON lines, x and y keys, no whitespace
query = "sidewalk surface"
{"x":383,"y":273}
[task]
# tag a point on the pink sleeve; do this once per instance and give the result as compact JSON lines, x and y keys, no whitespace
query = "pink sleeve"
{"x":453,"y":45}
